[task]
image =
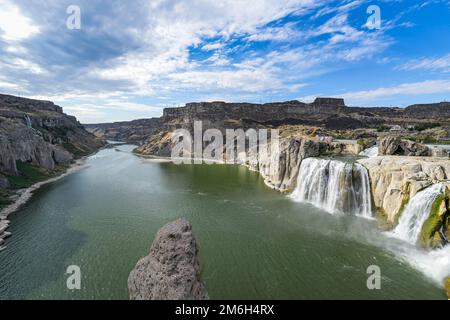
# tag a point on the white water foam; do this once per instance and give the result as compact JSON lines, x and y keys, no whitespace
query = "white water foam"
{"x":416,"y":213}
{"x":334,"y":186}
{"x":370,"y":152}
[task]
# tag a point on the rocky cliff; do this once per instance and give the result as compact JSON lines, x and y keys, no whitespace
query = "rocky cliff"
{"x":328,"y":113}
{"x":172,"y":270}
{"x":36,"y":137}
{"x":135,"y":131}
{"x":37,"y":142}
{"x":40,"y":133}
{"x":396,"y":179}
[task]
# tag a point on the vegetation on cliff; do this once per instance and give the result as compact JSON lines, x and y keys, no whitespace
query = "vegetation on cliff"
{"x":37,"y":142}
{"x":430,"y":236}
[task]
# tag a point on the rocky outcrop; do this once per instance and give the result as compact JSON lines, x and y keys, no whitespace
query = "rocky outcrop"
{"x":396,"y":179}
{"x":135,"y":131}
{"x":172,"y":270}
{"x":396,"y":146}
{"x":435,"y":231}
{"x":430,"y":110}
{"x":280,"y":169}
{"x":39,"y":133}
{"x":328,"y":113}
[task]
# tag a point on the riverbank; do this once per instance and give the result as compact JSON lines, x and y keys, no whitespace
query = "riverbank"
{"x":22,"y":196}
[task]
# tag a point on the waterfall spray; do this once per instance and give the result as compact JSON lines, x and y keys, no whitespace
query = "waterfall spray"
{"x":416,"y":213}
{"x":335,"y":186}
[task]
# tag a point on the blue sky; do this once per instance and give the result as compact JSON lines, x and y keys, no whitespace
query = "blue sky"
{"x":130,"y":59}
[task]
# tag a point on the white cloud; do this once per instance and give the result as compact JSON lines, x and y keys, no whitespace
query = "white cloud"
{"x":415,"y":88}
{"x":283,"y":33}
{"x":29,"y":66}
{"x":435,"y":64}
{"x":177,"y":26}
{"x":212,"y":46}
{"x":14,"y":26}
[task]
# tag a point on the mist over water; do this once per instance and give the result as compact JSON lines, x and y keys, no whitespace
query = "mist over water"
{"x":254,"y":242}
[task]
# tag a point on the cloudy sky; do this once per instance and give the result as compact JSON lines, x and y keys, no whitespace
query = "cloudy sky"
{"x":130,"y":59}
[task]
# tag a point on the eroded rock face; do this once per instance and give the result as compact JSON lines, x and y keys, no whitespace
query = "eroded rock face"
{"x":395,"y":146}
{"x":171,"y":271}
{"x":128,"y":131}
{"x":39,"y":132}
{"x":280,"y":170}
{"x":396,"y":179}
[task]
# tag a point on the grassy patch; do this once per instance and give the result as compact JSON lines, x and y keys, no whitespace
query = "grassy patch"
{"x":429,"y":235}
{"x":77,"y":150}
{"x":28,"y":175}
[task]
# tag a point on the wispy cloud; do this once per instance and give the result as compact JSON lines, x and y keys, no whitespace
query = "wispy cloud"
{"x":128,"y":55}
{"x":415,"y":89}
{"x":435,"y":64}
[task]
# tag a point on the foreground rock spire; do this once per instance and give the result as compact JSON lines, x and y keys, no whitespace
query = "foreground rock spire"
{"x":172,"y":270}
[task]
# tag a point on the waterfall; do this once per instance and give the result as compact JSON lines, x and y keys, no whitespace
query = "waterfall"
{"x":334,"y":186}
{"x":370,"y":152}
{"x":416,"y":213}
{"x":28,"y":121}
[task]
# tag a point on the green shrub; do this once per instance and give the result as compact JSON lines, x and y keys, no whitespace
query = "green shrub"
{"x":28,"y":175}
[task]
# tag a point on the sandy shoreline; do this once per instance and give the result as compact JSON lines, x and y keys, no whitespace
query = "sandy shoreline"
{"x":24,"y":195}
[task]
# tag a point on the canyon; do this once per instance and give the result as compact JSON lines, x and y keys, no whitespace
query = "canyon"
{"x":403,"y":185}
{"x":37,"y":142}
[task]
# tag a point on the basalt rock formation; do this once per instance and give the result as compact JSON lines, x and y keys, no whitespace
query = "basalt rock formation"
{"x":393,"y":145}
{"x":40,"y":134}
{"x":328,"y":113}
{"x":172,"y":270}
{"x":396,"y":179}
{"x":135,"y":131}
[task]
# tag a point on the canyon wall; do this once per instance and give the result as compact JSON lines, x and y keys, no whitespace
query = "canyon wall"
{"x":135,"y":131}
{"x":328,"y":113}
{"x":39,"y":133}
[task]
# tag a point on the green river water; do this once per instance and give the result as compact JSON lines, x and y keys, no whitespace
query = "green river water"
{"x":254,"y":242}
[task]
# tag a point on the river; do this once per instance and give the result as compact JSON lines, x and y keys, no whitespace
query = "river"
{"x":254,"y":242}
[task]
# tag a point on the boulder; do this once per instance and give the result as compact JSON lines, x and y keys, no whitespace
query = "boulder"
{"x":391,"y":145}
{"x":394,"y":180}
{"x":172,"y":270}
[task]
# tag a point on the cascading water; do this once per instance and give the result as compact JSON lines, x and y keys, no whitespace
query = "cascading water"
{"x":335,"y":186}
{"x":370,"y":152}
{"x":416,"y":213}
{"x":28,"y":121}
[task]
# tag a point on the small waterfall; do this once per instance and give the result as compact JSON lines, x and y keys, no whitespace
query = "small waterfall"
{"x":28,"y":121}
{"x":416,"y":213}
{"x":335,"y":186}
{"x":370,"y":152}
